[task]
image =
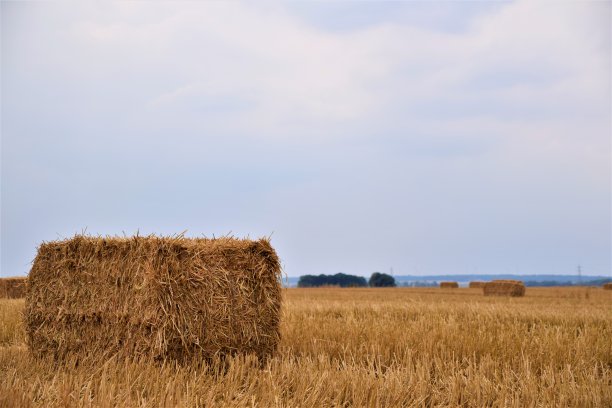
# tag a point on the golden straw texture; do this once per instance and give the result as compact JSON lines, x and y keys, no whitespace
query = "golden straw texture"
{"x":159,"y":297}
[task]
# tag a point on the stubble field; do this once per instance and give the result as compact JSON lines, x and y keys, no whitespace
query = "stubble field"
{"x":360,"y":347}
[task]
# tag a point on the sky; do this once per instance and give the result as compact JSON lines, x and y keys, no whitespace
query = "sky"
{"x":426,"y":137}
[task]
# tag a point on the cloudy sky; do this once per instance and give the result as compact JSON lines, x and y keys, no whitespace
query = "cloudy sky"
{"x":428,"y":137}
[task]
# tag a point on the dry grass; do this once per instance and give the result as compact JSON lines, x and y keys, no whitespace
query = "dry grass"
{"x":361,"y":347}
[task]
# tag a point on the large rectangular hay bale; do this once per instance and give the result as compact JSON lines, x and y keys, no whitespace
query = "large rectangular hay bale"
{"x":154,"y":297}
{"x":504,"y":287}
{"x":476,"y":284}
{"x":607,"y":286}
{"x":449,"y":285}
{"x":12,"y":288}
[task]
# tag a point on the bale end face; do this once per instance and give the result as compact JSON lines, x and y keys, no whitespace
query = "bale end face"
{"x":154,"y":297}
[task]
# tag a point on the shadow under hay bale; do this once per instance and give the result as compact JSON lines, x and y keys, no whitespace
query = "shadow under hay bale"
{"x":607,"y":286}
{"x":476,"y":285}
{"x":13,"y":288}
{"x":154,"y":297}
{"x":449,"y":285}
{"x":502,"y":287}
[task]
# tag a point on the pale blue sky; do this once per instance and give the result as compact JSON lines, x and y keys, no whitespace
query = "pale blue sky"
{"x":448,"y":137}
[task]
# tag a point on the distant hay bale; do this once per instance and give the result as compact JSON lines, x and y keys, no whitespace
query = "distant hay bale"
{"x":476,"y":285}
{"x":449,"y":285}
{"x":607,"y":286}
{"x":158,"y":297}
{"x":12,"y":288}
{"x":504,"y":287}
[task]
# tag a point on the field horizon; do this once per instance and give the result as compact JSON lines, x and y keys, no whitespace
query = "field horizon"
{"x":533,"y":280}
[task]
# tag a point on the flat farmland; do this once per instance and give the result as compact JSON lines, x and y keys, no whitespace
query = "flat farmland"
{"x":422,"y":347}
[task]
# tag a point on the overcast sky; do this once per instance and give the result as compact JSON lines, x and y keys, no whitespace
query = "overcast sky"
{"x":428,"y":137}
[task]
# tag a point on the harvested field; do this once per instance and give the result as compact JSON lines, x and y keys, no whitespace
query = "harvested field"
{"x":360,"y":347}
{"x":449,"y":285}
{"x":368,"y":342}
{"x":153,"y":297}
{"x":476,"y":285}
{"x":512,"y":288}
{"x":13,"y":288}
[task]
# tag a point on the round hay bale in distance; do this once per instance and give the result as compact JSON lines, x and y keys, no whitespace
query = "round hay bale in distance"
{"x":158,"y":297}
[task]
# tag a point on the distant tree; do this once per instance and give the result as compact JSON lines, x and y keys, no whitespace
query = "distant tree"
{"x":343,"y":280}
{"x":340,"y":279}
{"x":308,"y":281}
{"x":378,"y":280}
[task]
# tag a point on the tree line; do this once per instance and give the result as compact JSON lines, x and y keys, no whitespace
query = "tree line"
{"x":343,"y":280}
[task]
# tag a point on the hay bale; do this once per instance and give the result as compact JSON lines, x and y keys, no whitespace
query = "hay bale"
{"x":156,"y":297}
{"x":504,"y":287}
{"x":449,"y":285}
{"x":607,"y":286}
{"x":476,"y":285}
{"x":13,"y":288}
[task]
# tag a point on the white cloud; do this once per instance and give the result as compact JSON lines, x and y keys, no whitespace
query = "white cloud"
{"x":422,"y":131}
{"x":287,"y":77}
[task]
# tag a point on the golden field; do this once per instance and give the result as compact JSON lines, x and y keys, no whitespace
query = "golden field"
{"x":360,"y":347}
